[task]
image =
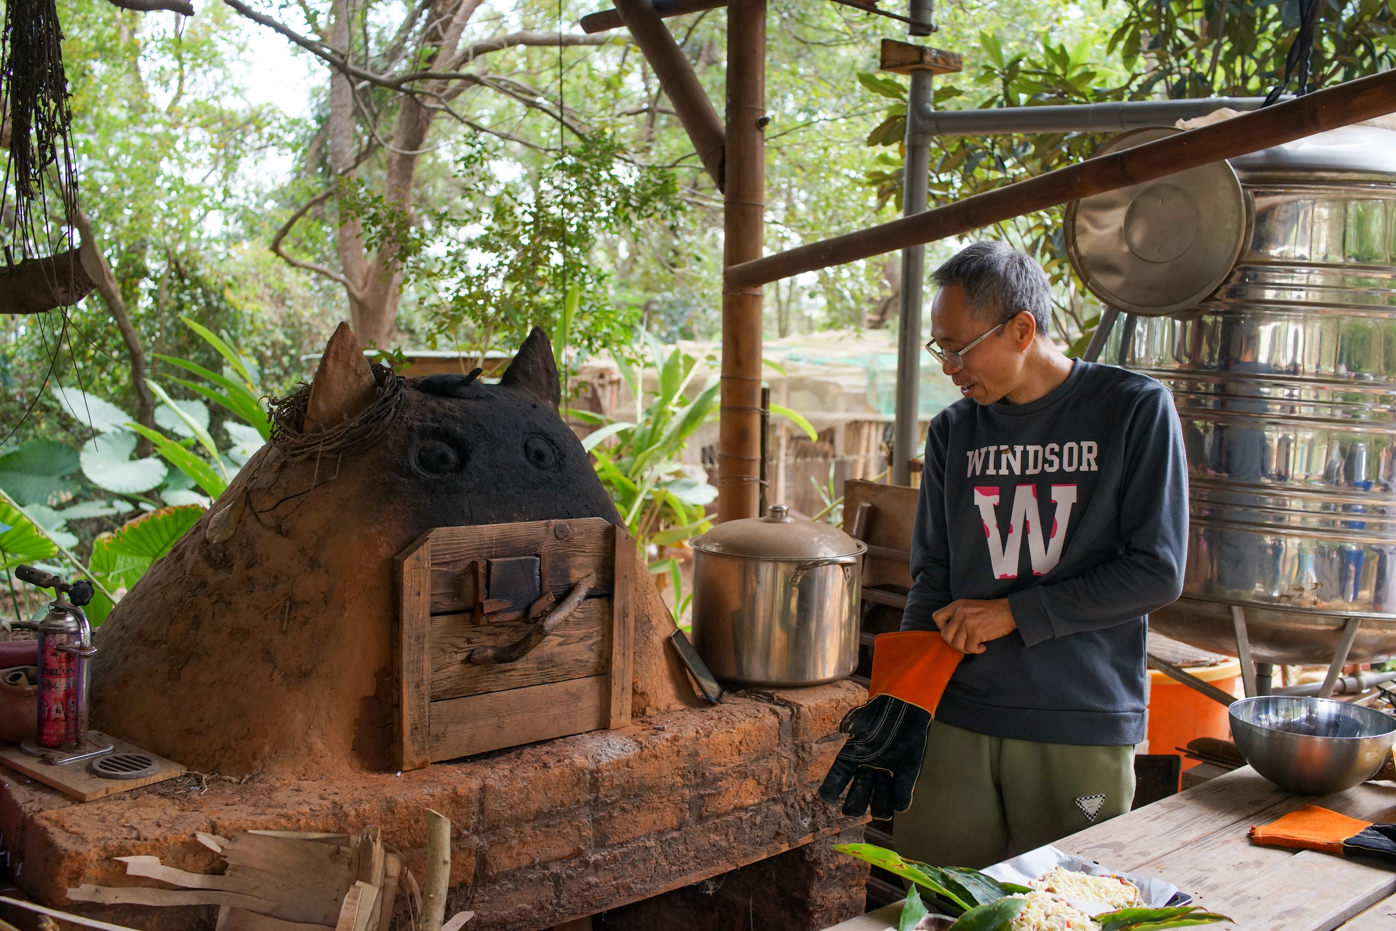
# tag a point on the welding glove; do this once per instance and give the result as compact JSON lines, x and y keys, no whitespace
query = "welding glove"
{"x":887,"y":735}
{"x":1314,"y":828}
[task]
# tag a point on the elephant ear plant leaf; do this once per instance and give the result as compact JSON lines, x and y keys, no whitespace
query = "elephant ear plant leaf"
{"x":36,"y":472}
{"x":120,"y":558}
{"x":978,"y":902}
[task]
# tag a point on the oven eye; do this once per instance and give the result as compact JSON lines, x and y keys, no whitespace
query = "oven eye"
{"x":542,"y":453}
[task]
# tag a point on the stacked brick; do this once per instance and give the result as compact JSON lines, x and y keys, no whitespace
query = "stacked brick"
{"x":542,"y":834}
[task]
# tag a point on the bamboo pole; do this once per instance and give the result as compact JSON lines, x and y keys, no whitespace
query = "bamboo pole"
{"x":681,"y":85}
{"x":1320,"y":111}
{"x":744,"y":203}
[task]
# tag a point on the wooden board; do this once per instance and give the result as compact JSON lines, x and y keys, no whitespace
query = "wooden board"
{"x":414,"y":654}
{"x":77,"y":781}
{"x":586,"y":546}
{"x":580,"y":647}
{"x":622,"y":629}
{"x":466,"y":726}
{"x":904,"y":58}
{"x":889,"y":527}
{"x":577,"y":679}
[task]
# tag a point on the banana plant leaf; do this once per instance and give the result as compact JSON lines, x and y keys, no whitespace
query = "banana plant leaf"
{"x":912,"y":911}
{"x":995,"y":916}
{"x":1156,"y":919}
{"x":186,"y":461}
{"x":888,"y":860}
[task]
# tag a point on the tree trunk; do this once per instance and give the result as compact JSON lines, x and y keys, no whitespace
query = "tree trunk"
{"x":110,"y":290}
{"x":375,"y":285}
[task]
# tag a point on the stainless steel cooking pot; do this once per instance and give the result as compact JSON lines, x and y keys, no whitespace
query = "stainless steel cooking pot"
{"x":775,"y":600}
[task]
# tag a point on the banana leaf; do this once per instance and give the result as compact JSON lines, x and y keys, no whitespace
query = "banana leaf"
{"x":1156,"y":919}
{"x":912,"y":911}
{"x":996,"y":916}
{"x":883,"y":858}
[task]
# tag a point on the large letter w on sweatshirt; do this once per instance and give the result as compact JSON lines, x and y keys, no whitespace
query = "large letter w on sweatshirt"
{"x":1044,"y":548}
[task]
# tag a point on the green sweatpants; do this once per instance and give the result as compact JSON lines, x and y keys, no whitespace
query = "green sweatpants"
{"x":981,"y":799}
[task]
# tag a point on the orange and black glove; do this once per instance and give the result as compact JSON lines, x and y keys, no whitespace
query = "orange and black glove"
{"x":887,"y":735}
{"x":1314,"y":828}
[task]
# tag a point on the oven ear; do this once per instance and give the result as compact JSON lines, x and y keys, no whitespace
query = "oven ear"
{"x":534,"y":371}
{"x":343,"y":384}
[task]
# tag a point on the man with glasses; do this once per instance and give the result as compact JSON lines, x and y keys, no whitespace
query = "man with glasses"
{"x":1052,"y":519}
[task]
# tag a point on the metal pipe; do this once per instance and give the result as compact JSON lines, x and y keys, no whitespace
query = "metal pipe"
{"x":593,"y":23}
{"x":916,"y":181}
{"x":681,"y":85}
{"x":1264,"y":678}
{"x":1243,"y":651}
{"x":1126,"y":338}
{"x":1330,"y":108}
{"x":1340,"y":656}
{"x":1191,"y":681}
{"x":1101,"y":334}
{"x":1344,"y":685}
{"x":1079,"y":118}
{"x":744,"y":202}
{"x":921,"y":22}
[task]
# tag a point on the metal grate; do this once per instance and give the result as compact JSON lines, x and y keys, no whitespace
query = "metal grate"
{"x":125,"y":766}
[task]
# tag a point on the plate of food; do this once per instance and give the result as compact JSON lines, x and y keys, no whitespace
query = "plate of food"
{"x":1042,"y":890}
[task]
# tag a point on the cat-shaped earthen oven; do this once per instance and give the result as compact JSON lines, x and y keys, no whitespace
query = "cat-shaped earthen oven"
{"x":262,"y":642}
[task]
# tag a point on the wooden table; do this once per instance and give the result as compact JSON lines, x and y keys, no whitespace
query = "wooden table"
{"x":1198,"y":841}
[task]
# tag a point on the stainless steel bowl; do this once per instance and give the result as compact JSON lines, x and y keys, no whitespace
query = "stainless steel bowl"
{"x":1314,"y":746}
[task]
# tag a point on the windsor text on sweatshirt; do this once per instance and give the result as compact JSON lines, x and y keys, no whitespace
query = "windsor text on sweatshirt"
{"x":1074,"y":508}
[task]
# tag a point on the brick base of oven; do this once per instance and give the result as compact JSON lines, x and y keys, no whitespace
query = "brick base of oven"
{"x":621,"y":822}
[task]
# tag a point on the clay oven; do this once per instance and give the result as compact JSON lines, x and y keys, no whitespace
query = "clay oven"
{"x":263,"y":642}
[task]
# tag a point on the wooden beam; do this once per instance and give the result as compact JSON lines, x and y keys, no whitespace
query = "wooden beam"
{"x":744,"y":204}
{"x":685,"y":92}
{"x":610,"y":19}
{"x":905,"y":57}
{"x":1351,"y":102}
{"x":37,"y":285}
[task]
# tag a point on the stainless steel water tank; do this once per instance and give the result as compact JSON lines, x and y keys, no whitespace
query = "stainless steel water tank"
{"x":1285,"y":381}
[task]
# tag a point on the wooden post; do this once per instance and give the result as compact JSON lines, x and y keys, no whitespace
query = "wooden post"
{"x":438,"y":878}
{"x":680,"y":84}
{"x":744,"y":204}
{"x":1330,"y":108}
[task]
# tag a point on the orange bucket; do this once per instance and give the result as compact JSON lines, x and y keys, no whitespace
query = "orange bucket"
{"x":1178,"y":714}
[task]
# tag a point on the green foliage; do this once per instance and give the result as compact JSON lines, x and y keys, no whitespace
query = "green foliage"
{"x":107,"y":463}
{"x":119,"y":559}
{"x":37,"y":472}
{"x":993,"y":916}
{"x":504,"y":257}
{"x":660,"y":504}
{"x":978,"y":902}
{"x":21,"y":541}
{"x":1156,"y":919}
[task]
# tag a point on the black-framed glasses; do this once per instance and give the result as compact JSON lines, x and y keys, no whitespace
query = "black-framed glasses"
{"x":956,"y":360}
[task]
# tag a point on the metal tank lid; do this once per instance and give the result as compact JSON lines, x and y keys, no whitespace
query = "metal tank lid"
{"x":778,"y":536}
{"x":1358,"y":148}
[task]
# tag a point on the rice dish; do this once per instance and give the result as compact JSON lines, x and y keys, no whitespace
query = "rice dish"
{"x":1044,"y":911}
{"x":1107,"y":890}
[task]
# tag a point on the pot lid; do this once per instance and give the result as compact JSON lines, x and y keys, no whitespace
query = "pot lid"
{"x":778,"y":536}
{"x":1359,"y":148}
{"x":1161,"y":246}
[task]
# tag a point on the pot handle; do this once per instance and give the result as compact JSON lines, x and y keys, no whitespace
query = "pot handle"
{"x":846,"y":562}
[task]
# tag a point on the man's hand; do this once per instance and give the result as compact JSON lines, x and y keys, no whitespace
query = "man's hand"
{"x":967,"y":624}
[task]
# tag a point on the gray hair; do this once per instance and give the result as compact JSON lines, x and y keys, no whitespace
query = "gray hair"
{"x":1000,"y":282}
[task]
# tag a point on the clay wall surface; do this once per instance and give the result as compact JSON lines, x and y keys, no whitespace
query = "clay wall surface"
{"x":543,"y":834}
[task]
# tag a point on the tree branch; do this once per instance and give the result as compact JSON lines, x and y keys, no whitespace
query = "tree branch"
{"x":279,"y":249}
{"x":183,"y":7}
{"x":517,"y":39}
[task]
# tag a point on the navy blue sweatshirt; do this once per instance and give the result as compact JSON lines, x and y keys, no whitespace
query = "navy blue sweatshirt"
{"x":1075,"y":508}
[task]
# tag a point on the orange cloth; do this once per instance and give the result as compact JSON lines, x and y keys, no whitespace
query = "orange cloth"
{"x":913,"y":665}
{"x":1311,"y":828}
